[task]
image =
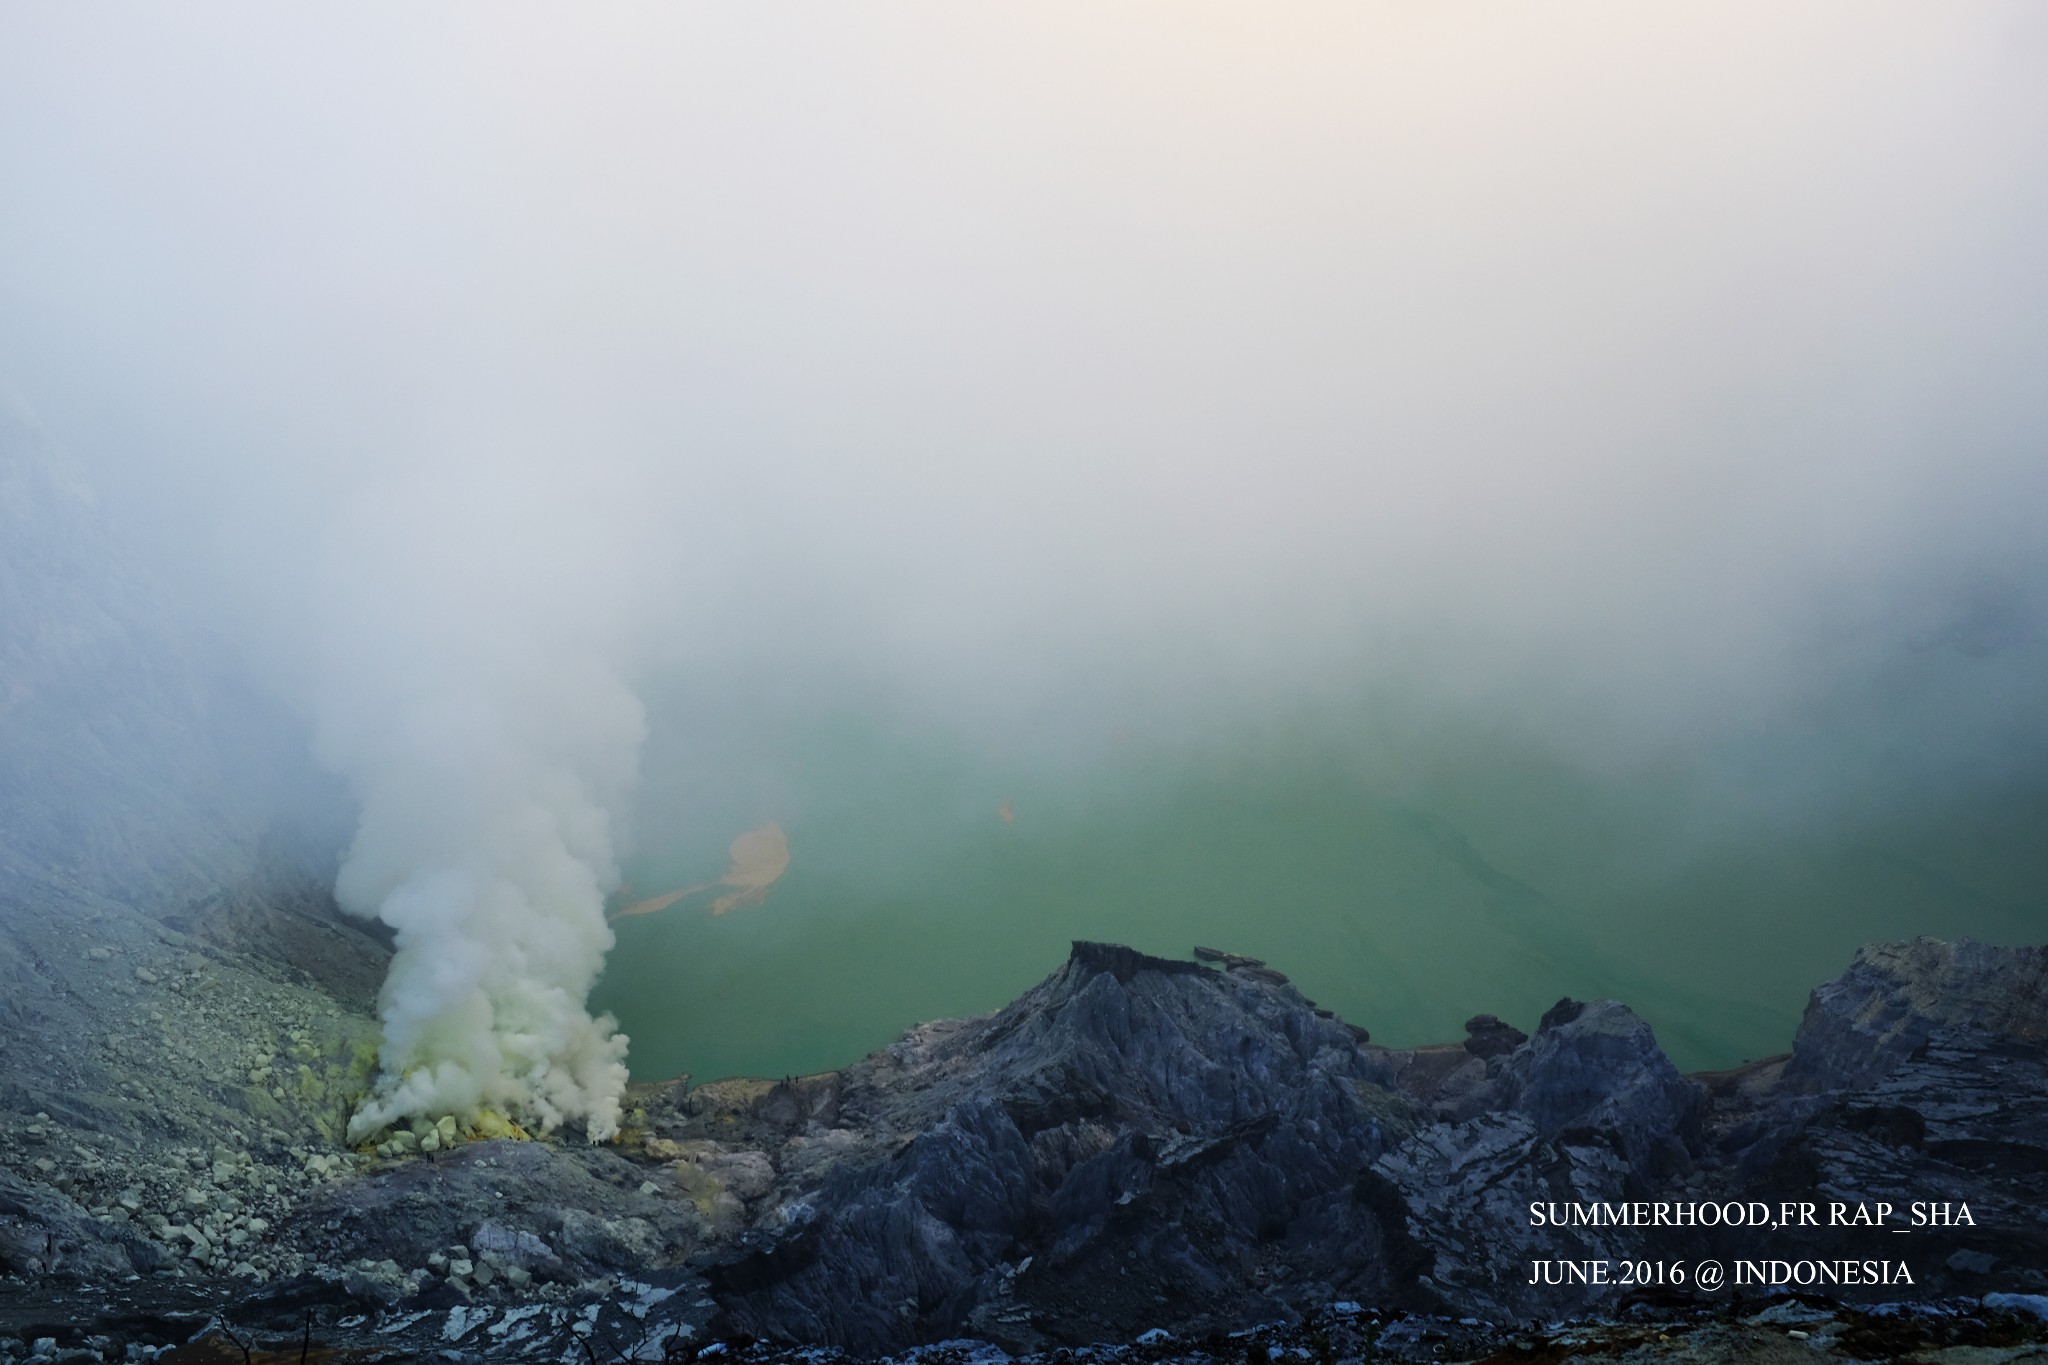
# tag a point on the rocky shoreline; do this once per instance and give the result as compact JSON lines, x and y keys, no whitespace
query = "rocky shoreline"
{"x":1183,"y":1156}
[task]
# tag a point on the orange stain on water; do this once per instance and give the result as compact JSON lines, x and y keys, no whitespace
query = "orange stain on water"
{"x":758,"y":858}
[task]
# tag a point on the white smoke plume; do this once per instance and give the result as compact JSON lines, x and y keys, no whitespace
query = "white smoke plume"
{"x":472,"y":695}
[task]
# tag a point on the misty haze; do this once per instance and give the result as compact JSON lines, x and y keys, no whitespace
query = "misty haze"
{"x":570,"y":551}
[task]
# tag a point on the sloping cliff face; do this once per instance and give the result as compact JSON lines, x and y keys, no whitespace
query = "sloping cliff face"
{"x":176,"y":988}
{"x":131,"y":766}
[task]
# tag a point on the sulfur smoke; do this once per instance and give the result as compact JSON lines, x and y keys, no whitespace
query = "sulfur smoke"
{"x":472,"y":695}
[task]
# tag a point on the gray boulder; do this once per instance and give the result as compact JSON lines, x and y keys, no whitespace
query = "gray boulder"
{"x":1598,"y":1066}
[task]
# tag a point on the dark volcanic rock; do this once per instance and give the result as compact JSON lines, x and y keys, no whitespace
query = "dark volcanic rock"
{"x":558,"y":1214}
{"x":1467,"y":1188}
{"x":1588,"y":1111}
{"x":1134,"y":1141}
{"x":1486,"y":1036}
{"x":1141,"y":1143}
{"x":1896,"y":998}
{"x":1598,"y":1066}
{"x":1919,"y":1078}
{"x":44,"y":1233}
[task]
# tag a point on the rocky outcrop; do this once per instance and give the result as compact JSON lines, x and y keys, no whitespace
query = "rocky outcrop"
{"x":1898,"y":998}
{"x":1597,"y":1066}
{"x":1487,"y":1036}
{"x":1587,"y":1111}
{"x":1919,"y":1078}
{"x":1135,"y":1140}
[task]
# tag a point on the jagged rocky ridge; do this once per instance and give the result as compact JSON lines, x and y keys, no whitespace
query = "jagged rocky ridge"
{"x":1141,"y":1143}
{"x":1135,"y":1144}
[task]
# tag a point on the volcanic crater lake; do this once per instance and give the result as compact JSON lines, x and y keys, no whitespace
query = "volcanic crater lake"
{"x":924,"y":876}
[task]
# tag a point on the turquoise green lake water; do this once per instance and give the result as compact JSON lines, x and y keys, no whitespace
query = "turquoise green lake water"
{"x":1407,"y":883}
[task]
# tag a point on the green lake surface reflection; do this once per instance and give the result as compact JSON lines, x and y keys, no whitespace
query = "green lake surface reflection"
{"x":1407,"y":886}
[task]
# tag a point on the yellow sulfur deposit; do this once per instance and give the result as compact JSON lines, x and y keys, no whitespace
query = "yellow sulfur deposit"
{"x":490,"y":1124}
